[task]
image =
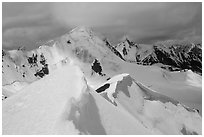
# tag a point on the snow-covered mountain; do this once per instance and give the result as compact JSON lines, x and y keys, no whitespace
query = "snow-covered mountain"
{"x":75,"y":84}
{"x":63,"y":103}
{"x":80,"y":44}
{"x":171,"y":55}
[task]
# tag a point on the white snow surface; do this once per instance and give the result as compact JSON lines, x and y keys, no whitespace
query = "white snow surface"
{"x":13,"y":88}
{"x":63,"y":103}
{"x":38,"y":108}
{"x":60,"y":103}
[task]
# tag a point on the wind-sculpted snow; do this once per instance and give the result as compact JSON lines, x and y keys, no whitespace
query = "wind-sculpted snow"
{"x":165,"y":114}
{"x":85,"y":116}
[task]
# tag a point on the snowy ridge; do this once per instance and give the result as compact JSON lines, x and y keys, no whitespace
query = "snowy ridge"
{"x":145,"y":104}
{"x":56,"y":109}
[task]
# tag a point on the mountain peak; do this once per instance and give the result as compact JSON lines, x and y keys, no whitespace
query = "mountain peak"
{"x":82,"y":29}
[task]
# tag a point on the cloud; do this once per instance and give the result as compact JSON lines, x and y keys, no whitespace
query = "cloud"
{"x":142,"y":22}
{"x":30,"y":37}
{"x":145,"y":22}
{"x":28,"y":26}
{"x":98,"y":14}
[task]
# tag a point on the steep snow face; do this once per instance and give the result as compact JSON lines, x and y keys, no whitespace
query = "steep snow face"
{"x":155,"y":111}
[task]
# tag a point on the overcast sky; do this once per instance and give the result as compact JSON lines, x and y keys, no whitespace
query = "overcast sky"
{"x":29,"y":24}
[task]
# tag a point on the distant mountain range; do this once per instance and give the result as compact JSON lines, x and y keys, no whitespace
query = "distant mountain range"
{"x":170,"y":55}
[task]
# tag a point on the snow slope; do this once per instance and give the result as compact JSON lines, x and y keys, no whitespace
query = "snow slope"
{"x":64,"y":106}
{"x":63,"y":103}
{"x":172,"y":84}
{"x":37,"y":108}
{"x":155,"y":111}
{"x":10,"y":89}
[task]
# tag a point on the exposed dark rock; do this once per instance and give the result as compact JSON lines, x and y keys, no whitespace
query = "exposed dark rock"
{"x":103,"y":88}
{"x":97,"y":67}
{"x":42,"y":61}
{"x":4,"y":97}
{"x":44,"y":71}
{"x":3,"y":53}
{"x":33,"y":60}
{"x":108,"y":78}
{"x":23,"y":74}
{"x":68,"y":42}
{"x":124,"y":51}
